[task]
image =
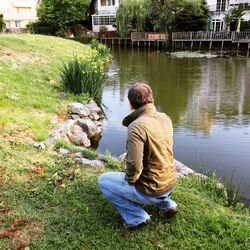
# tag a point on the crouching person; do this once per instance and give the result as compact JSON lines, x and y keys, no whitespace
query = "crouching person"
{"x":149,"y":177}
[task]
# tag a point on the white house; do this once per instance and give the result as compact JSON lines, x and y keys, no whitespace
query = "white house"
{"x":218,"y":8}
{"x":105,"y":15}
{"x":18,"y":13}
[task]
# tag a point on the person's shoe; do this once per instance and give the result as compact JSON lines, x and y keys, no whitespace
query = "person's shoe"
{"x":135,"y":227}
{"x":168,"y":213}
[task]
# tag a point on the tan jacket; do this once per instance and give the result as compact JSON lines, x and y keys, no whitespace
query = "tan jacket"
{"x":149,"y":160}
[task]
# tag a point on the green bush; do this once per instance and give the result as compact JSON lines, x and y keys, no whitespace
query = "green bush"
{"x":2,"y":23}
{"x":83,"y":39}
{"x":103,"y":51}
{"x":42,"y":28}
{"x":94,"y":44}
{"x":103,"y":29}
{"x":84,"y":76}
{"x":111,"y":162}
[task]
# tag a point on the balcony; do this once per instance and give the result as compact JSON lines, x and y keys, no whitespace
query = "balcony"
{"x":107,"y":5}
{"x":24,"y":3}
{"x":236,"y":2}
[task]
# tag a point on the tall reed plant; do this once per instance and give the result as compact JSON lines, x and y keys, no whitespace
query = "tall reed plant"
{"x":86,"y":75}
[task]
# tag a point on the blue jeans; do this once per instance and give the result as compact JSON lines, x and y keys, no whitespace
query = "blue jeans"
{"x":127,"y":199}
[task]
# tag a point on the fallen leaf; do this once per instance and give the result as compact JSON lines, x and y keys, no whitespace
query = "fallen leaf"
{"x":36,"y":170}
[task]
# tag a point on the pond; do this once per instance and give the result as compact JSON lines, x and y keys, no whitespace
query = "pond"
{"x":208,"y":100}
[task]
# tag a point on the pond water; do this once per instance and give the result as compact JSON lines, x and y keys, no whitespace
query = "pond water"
{"x":208,"y":100}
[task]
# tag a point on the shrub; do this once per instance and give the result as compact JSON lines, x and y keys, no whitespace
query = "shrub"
{"x":40,"y":27}
{"x":84,"y":76}
{"x":2,"y":23}
{"x":102,"y":50}
{"x":111,"y":162}
{"x":103,"y":29}
{"x":94,"y":44}
{"x":83,"y":39}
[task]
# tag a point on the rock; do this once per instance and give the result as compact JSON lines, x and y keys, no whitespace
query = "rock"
{"x":122,"y":157}
{"x":65,"y":127}
{"x":62,"y":95}
{"x":93,"y":107}
{"x":75,"y":117}
{"x":63,"y":151}
{"x":78,"y":137}
{"x":91,"y":163}
{"x":182,"y":170}
{"x":94,"y":116}
{"x":78,"y":155}
{"x":89,"y":127}
{"x":95,"y":111}
{"x":98,"y":123}
{"x":40,"y":145}
{"x":52,"y":139}
{"x":78,"y":109}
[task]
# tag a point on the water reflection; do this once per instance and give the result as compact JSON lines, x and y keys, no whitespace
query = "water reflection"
{"x":208,"y":101}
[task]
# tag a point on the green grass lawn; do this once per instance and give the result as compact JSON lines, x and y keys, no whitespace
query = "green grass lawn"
{"x":59,"y":206}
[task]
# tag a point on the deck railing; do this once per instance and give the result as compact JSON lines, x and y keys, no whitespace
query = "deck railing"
{"x":150,"y":36}
{"x":212,"y":36}
{"x":241,"y":36}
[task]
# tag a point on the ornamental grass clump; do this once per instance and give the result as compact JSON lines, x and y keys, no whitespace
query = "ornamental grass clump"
{"x":86,"y":75}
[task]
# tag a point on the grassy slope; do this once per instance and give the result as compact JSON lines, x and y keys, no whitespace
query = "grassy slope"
{"x":75,"y":215}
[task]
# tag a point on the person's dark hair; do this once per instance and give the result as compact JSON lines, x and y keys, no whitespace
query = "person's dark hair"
{"x":140,"y":94}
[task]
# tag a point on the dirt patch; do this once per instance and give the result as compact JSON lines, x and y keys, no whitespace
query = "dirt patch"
{"x":15,"y":132}
{"x":18,"y":58}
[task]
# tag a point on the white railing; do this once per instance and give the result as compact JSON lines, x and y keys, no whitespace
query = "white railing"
{"x":211,"y":36}
{"x":241,"y":36}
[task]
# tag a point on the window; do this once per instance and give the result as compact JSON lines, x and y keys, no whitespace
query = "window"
{"x":217,"y":25}
{"x":7,"y":24}
{"x":221,"y":5}
{"x":103,"y":20}
{"x":107,"y":2}
{"x":18,"y":24}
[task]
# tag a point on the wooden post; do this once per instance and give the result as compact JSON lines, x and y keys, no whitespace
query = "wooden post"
{"x":248,"y":48}
{"x":200,"y":45}
{"x":182,"y":43}
{"x":222,"y":45}
{"x":192,"y":43}
{"x":138,"y":44}
{"x":238,"y":46}
{"x":210,"y":45}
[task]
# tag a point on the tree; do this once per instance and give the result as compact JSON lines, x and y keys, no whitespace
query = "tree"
{"x":193,"y":16}
{"x":235,"y":15}
{"x":178,"y":15}
{"x":62,"y":14}
{"x":2,"y":23}
{"x":162,"y":13}
{"x":131,"y":14}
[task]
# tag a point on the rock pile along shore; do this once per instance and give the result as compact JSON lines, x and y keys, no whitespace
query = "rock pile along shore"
{"x":84,"y":124}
